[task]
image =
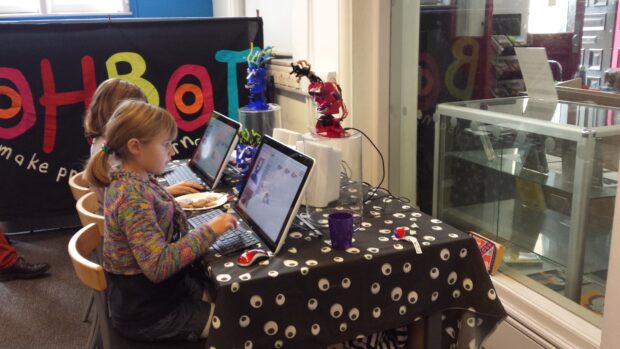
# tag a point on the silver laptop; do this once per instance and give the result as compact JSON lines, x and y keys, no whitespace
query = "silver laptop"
{"x":268,"y":201}
{"x":209,"y":161}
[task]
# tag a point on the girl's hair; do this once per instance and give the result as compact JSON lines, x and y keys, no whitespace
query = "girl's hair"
{"x":132,"y":119}
{"x":107,"y":97}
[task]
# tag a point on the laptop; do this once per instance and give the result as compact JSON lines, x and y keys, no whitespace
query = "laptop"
{"x":209,"y":161}
{"x":268,"y":201}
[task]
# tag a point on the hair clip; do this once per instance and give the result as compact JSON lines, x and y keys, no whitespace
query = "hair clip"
{"x":105,"y":148}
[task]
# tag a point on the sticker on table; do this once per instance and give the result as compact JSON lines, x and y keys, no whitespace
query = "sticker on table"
{"x":353,"y":250}
{"x":271,"y":328}
{"x":372,"y":250}
{"x":336,"y":310}
{"x":412,"y":297}
{"x":397,"y":292}
{"x":452,"y":277}
{"x":406,"y":267}
{"x":223,"y":278}
{"x":468,"y":284}
{"x":323,"y":284}
{"x":290,"y":263}
{"x":315,"y":329}
{"x":375,"y":288}
{"x":354,"y":314}
{"x":463,"y":253}
{"x":244,"y":321}
{"x":312,"y":304}
{"x":290,"y":332}
{"x":256,"y":301}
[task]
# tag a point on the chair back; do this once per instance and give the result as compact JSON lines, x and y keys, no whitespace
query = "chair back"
{"x":81,"y":247}
{"x":88,"y":210}
{"x":79,"y":186}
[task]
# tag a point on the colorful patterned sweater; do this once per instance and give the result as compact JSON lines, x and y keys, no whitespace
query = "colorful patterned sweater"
{"x":143,"y":223}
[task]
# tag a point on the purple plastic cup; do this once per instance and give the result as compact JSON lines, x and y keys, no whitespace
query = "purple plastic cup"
{"x":341,"y":230}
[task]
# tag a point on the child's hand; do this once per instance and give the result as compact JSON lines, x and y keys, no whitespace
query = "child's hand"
{"x":185,"y":187}
{"x":222,"y":223}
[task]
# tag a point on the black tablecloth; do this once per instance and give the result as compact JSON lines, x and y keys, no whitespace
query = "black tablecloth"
{"x":311,"y":295}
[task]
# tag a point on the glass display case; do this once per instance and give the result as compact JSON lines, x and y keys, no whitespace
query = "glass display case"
{"x":539,"y":177}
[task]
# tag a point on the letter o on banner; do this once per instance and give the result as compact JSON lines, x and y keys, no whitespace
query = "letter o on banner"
{"x":22,"y":98}
{"x":203,"y":96}
{"x":16,"y":102}
{"x":178,"y":98}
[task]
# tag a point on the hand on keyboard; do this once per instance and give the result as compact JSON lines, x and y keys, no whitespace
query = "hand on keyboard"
{"x":185,"y":187}
{"x":222,"y":223}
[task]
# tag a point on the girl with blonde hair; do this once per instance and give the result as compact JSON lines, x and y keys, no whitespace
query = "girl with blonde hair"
{"x":147,"y":246}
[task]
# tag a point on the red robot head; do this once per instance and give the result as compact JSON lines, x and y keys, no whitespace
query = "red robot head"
{"x":327,"y":97}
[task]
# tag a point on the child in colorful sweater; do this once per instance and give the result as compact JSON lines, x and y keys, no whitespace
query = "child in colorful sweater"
{"x":147,"y":244}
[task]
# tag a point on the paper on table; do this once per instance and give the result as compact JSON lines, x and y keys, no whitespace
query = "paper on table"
{"x":536,"y":73}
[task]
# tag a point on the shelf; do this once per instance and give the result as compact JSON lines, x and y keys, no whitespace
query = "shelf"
{"x":546,"y":234}
{"x":509,"y":161}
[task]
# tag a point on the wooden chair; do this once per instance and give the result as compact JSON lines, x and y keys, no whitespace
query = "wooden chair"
{"x":81,"y":246}
{"x":89,"y":211}
{"x":78,"y":185}
{"x":88,"y":208}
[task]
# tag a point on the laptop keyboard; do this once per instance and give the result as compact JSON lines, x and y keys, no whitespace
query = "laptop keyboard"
{"x":232,"y":241}
{"x":180,"y":174}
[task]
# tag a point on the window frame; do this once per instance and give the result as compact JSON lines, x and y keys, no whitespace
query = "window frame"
{"x":46,"y":11}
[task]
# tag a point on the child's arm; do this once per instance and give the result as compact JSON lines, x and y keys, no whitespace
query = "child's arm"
{"x":157,"y":258}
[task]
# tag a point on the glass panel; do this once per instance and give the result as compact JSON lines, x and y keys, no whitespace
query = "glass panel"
{"x":9,"y":7}
{"x":539,"y":177}
{"x":87,"y":6}
{"x":549,"y":199}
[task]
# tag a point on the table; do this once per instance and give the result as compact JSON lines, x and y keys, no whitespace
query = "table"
{"x":310,"y":295}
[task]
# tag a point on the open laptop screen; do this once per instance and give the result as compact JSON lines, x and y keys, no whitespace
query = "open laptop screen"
{"x":272,"y":189}
{"x":210,"y":156}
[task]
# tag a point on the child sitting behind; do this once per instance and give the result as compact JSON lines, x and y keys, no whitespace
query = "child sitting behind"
{"x":107,"y":97}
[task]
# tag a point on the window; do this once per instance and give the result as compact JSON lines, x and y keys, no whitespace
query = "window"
{"x":30,"y":8}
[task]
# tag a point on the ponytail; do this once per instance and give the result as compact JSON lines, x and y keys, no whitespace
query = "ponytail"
{"x":97,"y":169}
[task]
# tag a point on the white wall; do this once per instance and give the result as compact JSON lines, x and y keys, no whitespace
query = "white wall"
{"x":346,"y":37}
{"x":278,"y":17}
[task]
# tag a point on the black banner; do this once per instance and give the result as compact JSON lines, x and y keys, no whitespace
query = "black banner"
{"x":49,"y":71}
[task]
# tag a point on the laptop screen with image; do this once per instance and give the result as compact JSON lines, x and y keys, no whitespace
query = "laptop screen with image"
{"x":214,"y":146}
{"x":273,"y":188}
